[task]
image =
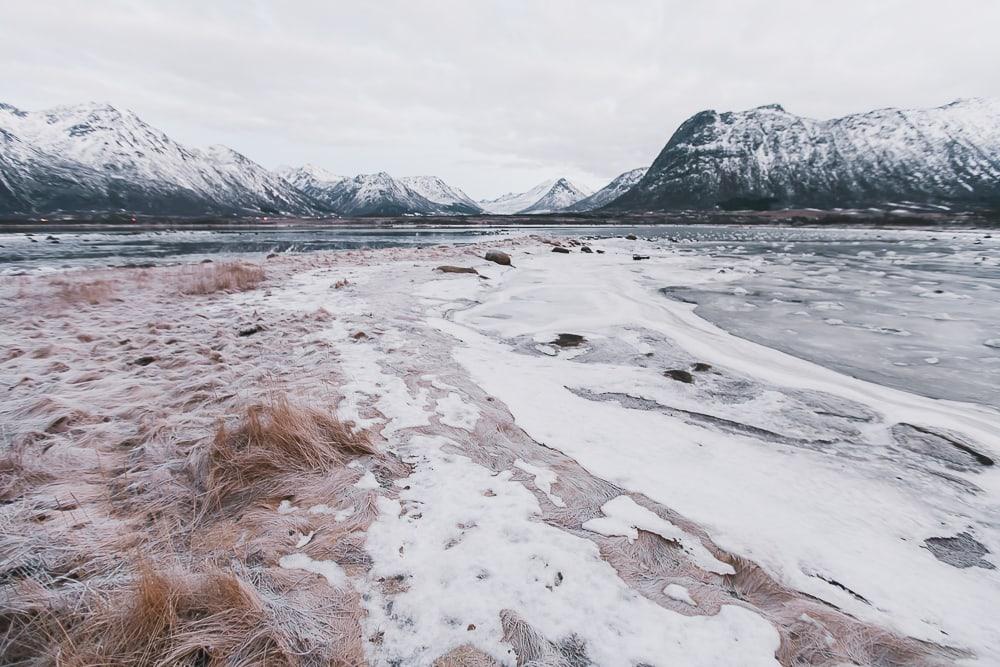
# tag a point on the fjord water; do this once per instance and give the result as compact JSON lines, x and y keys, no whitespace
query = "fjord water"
{"x":912,"y":309}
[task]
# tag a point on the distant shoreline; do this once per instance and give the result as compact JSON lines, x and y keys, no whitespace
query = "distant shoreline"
{"x":785,"y":218}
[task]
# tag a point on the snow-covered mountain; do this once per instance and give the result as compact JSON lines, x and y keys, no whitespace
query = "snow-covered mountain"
{"x":315,"y":182}
{"x":546,"y":197}
{"x":309,"y":176}
{"x":618,"y":186}
{"x":377,"y":195}
{"x":767,"y":157}
{"x":449,"y":198}
{"x":94,"y":157}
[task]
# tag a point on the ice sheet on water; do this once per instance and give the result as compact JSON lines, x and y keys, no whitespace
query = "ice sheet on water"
{"x":909,"y":311}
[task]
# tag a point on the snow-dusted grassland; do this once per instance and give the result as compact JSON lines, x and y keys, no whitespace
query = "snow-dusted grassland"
{"x":357,"y":459}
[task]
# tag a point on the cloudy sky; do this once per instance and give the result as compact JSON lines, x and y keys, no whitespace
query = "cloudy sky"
{"x":491,"y":96}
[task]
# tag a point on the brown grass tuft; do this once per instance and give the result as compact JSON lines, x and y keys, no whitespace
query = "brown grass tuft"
{"x":176,"y":618}
{"x":90,"y":292}
{"x":274,"y":440}
{"x":19,"y":471}
{"x":221,"y":277}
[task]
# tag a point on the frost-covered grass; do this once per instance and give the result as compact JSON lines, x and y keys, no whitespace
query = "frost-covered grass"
{"x":145,"y":450}
{"x":210,"y":278}
{"x":274,"y":440}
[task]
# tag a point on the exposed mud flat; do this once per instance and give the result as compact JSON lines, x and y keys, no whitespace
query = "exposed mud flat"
{"x":545,"y":463}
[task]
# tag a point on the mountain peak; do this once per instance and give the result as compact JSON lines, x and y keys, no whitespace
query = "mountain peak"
{"x":618,"y":186}
{"x":546,"y":197}
{"x":436,"y":190}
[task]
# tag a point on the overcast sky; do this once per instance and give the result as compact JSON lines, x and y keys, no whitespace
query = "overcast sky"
{"x":491,"y":96}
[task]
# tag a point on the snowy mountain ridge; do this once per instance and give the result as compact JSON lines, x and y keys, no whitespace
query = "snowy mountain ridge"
{"x":546,"y":197}
{"x":94,"y":157}
{"x":768,"y":158}
{"x":377,"y":195}
{"x":618,"y":186}
{"x":432,"y":188}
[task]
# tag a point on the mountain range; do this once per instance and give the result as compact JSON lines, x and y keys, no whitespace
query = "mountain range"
{"x":93,"y":158}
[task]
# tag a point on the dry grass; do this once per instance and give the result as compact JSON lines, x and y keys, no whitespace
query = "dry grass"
{"x":144,"y":573}
{"x":273,"y":440}
{"x":220,"y":277}
{"x":177,"y":618}
{"x":91,"y":292}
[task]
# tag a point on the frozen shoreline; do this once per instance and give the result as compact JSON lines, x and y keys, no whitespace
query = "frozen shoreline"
{"x":548,"y":502}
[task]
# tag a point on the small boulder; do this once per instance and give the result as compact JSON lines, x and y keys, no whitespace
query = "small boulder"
{"x":560,"y":249}
{"x":701,"y":367}
{"x":501,"y":258}
{"x":632,"y":237}
{"x":456,"y":269}
{"x":640,"y":257}
{"x":586,"y":249}
{"x":569,"y":340}
{"x":250,"y":330}
{"x":599,"y":251}
{"x":679,"y":375}
{"x":144,"y":360}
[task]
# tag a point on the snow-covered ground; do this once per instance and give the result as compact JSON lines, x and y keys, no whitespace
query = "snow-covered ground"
{"x":573,"y":466}
{"x":540,"y":474}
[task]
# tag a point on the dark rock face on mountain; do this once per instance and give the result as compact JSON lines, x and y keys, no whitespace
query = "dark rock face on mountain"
{"x":618,"y":186}
{"x":93,"y":157}
{"x":769,"y":158}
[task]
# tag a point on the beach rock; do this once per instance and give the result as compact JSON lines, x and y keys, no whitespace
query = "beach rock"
{"x":569,"y":340}
{"x":456,"y":269}
{"x":679,"y":375}
{"x":559,"y":249}
{"x":586,"y":249}
{"x":701,"y":367}
{"x":600,"y":252}
{"x":632,"y":237}
{"x":960,"y":551}
{"x":250,"y":330}
{"x":144,"y":360}
{"x":639,"y":257}
{"x":501,"y":258}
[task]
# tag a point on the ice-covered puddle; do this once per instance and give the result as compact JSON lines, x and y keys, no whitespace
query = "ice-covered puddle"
{"x":913,"y":310}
